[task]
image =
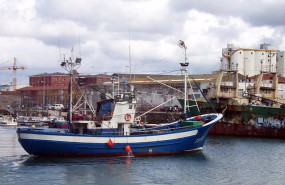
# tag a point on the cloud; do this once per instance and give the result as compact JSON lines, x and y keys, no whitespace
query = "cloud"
{"x":256,"y":12}
{"x":39,"y":32}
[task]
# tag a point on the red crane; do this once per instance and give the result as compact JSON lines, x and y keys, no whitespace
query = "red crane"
{"x":14,"y":68}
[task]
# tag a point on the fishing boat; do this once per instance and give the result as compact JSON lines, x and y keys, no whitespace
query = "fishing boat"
{"x":111,"y":134}
{"x":30,"y":121}
{"x":7,"y":121}
{"x":60,"y":122}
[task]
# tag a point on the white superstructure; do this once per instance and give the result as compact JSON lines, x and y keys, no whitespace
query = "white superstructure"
{"x":251,"y":62}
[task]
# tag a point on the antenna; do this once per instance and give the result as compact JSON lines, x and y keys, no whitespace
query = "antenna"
{"x":79,"y":47}
{"x":72,"y":53}
{"x":130,"y":52}
{"x":59,"y":49}
{"x":264,"y":39}
{"x":135,"y":69}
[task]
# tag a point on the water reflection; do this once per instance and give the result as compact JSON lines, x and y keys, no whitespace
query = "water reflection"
{"x":76,"y":170}
{"x":224,"y":160}
{"x":28,"y":160}
{"x":127,"y":161}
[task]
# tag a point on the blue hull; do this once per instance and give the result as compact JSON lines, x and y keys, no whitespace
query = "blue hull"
{"x":48,"y":147}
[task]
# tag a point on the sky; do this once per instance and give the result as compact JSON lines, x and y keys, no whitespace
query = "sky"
{"x":140,"y":36}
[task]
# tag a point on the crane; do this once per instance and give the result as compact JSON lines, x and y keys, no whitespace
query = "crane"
{"x":14,"y":68}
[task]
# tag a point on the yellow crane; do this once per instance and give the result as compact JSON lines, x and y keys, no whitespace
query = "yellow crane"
{"x":14,"y":68}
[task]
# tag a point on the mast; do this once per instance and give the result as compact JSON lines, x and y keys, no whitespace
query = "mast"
{"x":184,"y":69}
{"x":70,"y":94}
{"x":14,"y":75}
{"x":69,"y":65}
{"x":130,"y":60}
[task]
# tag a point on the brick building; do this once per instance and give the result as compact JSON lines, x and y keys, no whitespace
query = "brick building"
{"x":93,"y":79}
{"x":51,"y":88}
{"x":49,"y":80}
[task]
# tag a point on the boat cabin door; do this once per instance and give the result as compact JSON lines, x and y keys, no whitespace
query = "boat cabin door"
{"x":121,"y":128}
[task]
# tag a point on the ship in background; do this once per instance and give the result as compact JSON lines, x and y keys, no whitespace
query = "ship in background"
{"x":249,"y":91}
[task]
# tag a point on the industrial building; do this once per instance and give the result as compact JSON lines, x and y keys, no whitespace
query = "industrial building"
{"x":149,"y":88}
{"x":250,"y":62}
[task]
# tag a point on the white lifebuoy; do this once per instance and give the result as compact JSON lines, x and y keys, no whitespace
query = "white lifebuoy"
{"x":128,"y":117}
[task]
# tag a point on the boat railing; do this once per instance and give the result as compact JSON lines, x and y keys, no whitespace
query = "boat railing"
{"x":162,"y":130}
{"x":142,"y":131}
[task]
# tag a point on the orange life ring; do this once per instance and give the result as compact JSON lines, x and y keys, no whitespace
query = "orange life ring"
{"x":128,"y":117}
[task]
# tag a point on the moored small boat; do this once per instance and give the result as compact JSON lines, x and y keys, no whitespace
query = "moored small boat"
{"x":7,"y":121}
{"x":31,"y":121}
{"x":60,"y":122}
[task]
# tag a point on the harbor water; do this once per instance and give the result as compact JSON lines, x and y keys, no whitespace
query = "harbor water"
{"x":224,"y":160}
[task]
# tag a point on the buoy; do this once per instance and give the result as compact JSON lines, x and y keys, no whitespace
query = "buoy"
{"x":33,"y":126}
{"x":198,"y":118}
{"x":110,"y":143}
{"x":128,"y":148}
